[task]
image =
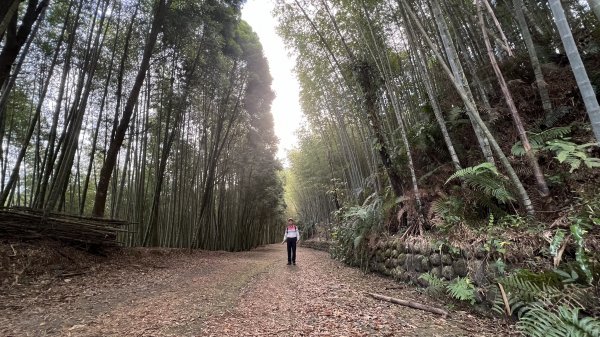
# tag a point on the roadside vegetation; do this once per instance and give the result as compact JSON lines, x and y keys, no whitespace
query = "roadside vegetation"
{"x":471,"y":127}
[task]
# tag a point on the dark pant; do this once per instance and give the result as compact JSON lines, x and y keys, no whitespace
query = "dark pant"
{"x":291,"y":249}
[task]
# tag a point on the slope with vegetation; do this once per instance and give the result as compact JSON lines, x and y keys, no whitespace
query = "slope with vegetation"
{"x":473,"y":126}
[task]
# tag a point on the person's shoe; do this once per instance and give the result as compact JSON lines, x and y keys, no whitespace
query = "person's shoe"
{"x":288,"y":263}
{"x":294,"y":263}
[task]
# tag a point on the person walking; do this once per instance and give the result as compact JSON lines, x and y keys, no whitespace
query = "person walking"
{"x":291,"y":236}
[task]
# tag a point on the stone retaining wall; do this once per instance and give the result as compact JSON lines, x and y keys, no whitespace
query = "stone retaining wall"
{"x":318,"y":245}
{"x":406,"y":260}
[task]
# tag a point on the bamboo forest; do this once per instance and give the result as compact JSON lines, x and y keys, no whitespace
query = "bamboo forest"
{"x":445,"y":179}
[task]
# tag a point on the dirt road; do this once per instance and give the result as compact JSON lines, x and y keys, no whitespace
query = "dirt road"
{"x":224,"y":294}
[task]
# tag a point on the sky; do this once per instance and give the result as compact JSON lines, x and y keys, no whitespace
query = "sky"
{"x":286,"y":107}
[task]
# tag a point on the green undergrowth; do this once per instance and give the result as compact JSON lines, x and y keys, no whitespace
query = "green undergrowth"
{"x":549,"y":273}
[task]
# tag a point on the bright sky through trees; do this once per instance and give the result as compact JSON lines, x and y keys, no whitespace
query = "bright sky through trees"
{"x":286,"y":107}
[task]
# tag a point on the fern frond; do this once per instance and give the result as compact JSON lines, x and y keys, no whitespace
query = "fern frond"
{"x":538,"y":140}
{"x":436,"y":284}
{"x":545,"y":310}
{"x":539,"y":322}
{"x":490,"y":185}
{"x":485,"y":167}
{"x":462,"y":289}
{"x":516,"y":305}
{"x":557,"y":241}
{"x":485,"y":178}
{"x":446,"y":205}
{"x":573,"y":326}
{"x":526,"y":290}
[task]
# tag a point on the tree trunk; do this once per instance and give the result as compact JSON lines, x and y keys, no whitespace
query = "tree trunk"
{"x":115,"y":144}
{"x":523,"y":196}
{"x":585,"y":87}
{"x":535,"y":62}
{"x":8,"y":9}
{"x":427,"y":82}
{"x":366,"y":80}
{"x":542,"y":187}
{"x":77,"y":110}
{"x":34,"y":122}
{"x":459,"y":74}
{"x":17,"y":38}
{"x":50,"y":153}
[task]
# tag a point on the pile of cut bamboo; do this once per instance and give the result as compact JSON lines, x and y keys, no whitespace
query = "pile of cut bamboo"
{"x":30,"y":223}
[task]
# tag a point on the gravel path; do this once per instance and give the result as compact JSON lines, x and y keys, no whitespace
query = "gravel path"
{"x":224,"y":294}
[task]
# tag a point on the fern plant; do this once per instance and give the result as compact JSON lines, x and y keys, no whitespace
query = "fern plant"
{"x":539,"y":321}
{"x":462,"y":289}
{"x":436,"y":286}
{"x":483,"y":191}
{"x":538,"y":140}
{"x":557,"y":241}
{"x":349,"y":237}
{"x":520,"y":285}
{"x":572,"y":154}
{"x":580,"y":256}
{"x":546,"y":309}
{"x":449,"y":208}
{"x":485,"y":178}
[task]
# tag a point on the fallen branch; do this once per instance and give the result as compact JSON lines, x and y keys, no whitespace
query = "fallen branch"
{"x":410,"y":304}
{"x":394,"y":288}
{"x":77,"y":273}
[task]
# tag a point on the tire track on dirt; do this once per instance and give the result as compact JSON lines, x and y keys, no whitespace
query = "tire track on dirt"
{"x":228,"y":294}
{"x":322,"y":297}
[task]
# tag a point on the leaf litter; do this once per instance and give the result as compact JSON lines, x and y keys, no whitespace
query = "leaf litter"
{"x":162,"y":292}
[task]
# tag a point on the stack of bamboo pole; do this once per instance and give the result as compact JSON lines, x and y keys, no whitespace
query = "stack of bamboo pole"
{"x":31,"y":223}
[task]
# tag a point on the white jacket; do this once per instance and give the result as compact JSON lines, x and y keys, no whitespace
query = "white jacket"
{"x":291,"y":232}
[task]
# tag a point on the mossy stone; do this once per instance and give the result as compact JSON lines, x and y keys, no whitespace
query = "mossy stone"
{"x":402,"y":259}
{"x":399,"y":274}
{"x":446,"y":260}
{"x":425,"y":265}
{"x":409,"y":262}
{"x":422,"y":282}
{"x":478,"y":272}
{"x":448,"y":272}
{"x":435,"y":259}
{"x":460,"y":267}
